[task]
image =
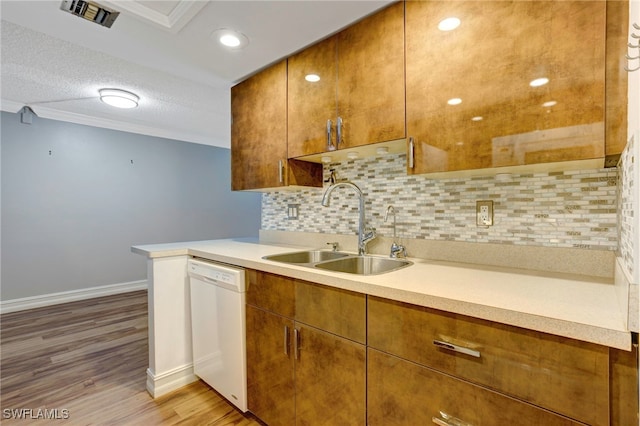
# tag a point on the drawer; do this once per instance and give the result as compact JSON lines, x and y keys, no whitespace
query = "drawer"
{"x":404,"y":393}
{"x":563,"y":375}
{"x":271,"y":292}
{"x":334,"y":310}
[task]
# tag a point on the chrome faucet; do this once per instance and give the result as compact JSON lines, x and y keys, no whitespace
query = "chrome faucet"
{"x":364,"y":235}
{"x":396,"y":248}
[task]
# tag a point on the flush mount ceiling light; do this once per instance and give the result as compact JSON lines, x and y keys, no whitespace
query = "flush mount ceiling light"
{"x":449,"y":24}
{"x":539,"y":82}
{"x":454,"y":101}
{"x":230,"y":38}
{"x":312,"y":78}
{"x":119,"y":98}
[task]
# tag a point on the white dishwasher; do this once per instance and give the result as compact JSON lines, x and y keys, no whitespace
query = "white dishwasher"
{"x":218,"y":328}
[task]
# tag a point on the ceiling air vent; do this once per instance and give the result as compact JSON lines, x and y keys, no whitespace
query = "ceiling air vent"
{"x":90,"y":11}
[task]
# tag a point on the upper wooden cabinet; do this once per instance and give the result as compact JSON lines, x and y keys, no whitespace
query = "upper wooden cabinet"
{"x":488,"y":63}
{"x":361,"y":71}
{"x":259,"y":135}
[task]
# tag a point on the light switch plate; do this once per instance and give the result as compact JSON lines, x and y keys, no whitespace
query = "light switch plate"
{"x":484,"y":213}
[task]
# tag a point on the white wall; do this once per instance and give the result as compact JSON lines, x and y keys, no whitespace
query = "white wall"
{"x":75,"y":199}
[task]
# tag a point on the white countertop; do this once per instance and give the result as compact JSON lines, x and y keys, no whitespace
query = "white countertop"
{"x":571,"y":306}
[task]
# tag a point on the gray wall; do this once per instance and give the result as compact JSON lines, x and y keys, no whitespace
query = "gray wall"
{"x":75,"y":199}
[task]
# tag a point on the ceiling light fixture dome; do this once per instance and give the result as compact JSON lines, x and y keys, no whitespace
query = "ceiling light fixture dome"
{"x":230,"y":38}
{"x":119,"y":98}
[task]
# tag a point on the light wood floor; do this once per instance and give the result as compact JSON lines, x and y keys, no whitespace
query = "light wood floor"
{"x":90,"y":358}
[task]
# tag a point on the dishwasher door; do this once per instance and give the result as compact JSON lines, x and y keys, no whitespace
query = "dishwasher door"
{"x":218,"y":328}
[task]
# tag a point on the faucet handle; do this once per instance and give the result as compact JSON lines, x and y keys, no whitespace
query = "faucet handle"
{"x":334,"y":246}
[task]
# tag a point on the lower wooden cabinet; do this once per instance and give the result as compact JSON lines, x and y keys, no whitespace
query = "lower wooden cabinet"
{"x":270,"y":371}
{"x":318,"y":355}
{"x":330,"y":379}
{"x":404,"y":393}
{"x":560,"y":374}
{"x":298,"y":373}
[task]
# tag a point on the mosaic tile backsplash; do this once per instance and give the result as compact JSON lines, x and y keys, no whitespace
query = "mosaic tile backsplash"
{"x":627,"y":193}
{"x":559,"y":209}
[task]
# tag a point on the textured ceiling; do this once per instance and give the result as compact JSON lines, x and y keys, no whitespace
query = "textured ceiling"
{"x":55,"y":62}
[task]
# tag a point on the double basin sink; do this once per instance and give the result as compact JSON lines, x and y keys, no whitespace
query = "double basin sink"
{"x":341,"y":262}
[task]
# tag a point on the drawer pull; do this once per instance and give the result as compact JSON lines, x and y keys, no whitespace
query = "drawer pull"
{"x":411,"y":153}
{"x":448,"y":420}
{"x":330,"y":146}
{"x":456,"y":348}
{"x":296,"y":344}
{"x":286,"y":340}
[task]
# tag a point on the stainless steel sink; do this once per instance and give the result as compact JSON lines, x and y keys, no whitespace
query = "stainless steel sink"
{"x":311,"y":256}
{"x":341,"y":262}
{"x":364,"y":265}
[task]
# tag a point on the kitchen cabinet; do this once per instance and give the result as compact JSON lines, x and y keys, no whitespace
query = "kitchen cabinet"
{"x":298,"y":372}
{"x":565,"y":376}
{"x":259,"y":135}
{"x":361,"y":86}
{"x":404,"y":393}
{"x":470,"y":104}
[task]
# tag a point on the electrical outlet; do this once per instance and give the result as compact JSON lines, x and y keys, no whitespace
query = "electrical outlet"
{"x":484,"y":213}
{"x":292,"y":211}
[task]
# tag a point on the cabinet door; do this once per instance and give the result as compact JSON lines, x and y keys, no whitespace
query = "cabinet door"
{"x":312,"y":103}
{"x":271,"y":292}
{"x":402,"y":393}
{"x":330,"y":379}
{"x":371,"y":98}
{"x":259,"y":130}
{"x":270,"y":370}
{"x":563,"y":375}
{"x":488,"y":63}
{"x":334,"y":310}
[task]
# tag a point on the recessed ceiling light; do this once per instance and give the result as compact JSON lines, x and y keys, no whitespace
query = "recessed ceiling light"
{"x":230,"y":38}
{"x":312,"y":78}
{"x":449,"y":24}
{"x":477,"y":118}
{"x":539,"y":82}
{"x":119,"y":98}
{"x":454,"y":101}
{"x":549,"y":104}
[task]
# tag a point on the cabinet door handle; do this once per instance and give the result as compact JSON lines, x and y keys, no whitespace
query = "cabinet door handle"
{"x":339,"y":132}
{"x":286,"y":340}
{"x":296,"y":343}
{"x":280,"y":171}
{"x":456,"y":348}
{"x":411,"y":149}
{"x":330,"y":146}
{"x":440,"y":422}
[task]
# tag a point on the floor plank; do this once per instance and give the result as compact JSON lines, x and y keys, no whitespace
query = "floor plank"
{"x":88,"y":361}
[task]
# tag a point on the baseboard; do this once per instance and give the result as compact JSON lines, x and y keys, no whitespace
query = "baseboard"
{"x":24,"y":303}
{"x":158,"y":385}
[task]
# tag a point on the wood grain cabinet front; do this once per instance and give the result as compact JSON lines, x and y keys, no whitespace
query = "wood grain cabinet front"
{"x":359,"y":97}
{"x":259,"y":135}
{"x":306,"y":361}
{"x":516,"y":83}
{"x":562,"y":375}
{"x":402,"y":393}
